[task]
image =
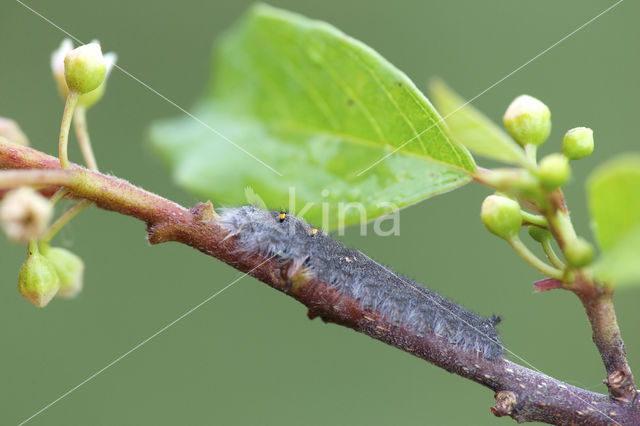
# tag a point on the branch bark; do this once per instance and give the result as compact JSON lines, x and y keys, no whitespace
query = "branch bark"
{"x":522,"y":393}
{"x":598,"y":304}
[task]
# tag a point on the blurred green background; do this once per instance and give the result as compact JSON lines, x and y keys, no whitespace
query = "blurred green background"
{"x":250,"y":356}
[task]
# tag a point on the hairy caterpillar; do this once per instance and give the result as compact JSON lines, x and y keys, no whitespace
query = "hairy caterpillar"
{"x":354,"y":274}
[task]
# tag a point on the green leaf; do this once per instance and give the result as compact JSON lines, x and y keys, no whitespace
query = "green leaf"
{"x":473,"y":129}
{"x":614,"y":201}
{"x":319,"y":108}
{"x":620,"y":264}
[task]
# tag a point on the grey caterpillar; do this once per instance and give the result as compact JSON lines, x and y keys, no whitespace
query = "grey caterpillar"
{"x":353,"y":274}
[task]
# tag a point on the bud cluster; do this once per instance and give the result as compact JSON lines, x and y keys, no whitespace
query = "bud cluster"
{"x":48,"y":272}
{"x":537,"y":185}
{"x":528,"y":121}
{"x":25,"y":216}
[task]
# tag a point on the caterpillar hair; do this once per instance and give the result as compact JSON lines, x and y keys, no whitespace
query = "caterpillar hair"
{"x":312,"y":254}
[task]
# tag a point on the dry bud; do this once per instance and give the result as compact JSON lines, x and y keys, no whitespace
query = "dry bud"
{"x":25,"y":214}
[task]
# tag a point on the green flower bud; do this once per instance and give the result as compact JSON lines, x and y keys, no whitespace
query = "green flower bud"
{"x":578,"y":252}
{"x":38,"y":281}
{"x":84,"y":68}
{"x":578,"y":143}
{"x":25,"y":214}
{"x":89,"y":99}
{"x":10,"y":130}
{"x":69,"y":267}
{"x":528,"y":121}
{"x":554,"y":171}
{"x":501,"y":216}
{"x":58,"y":70}
{"x":539,"y":234}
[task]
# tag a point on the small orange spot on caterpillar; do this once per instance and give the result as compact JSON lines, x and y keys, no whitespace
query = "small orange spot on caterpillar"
{"x":282,"y":216}
{"x":314,"y":231}
{"x":368,"y":318}
{"x":379,"y":327}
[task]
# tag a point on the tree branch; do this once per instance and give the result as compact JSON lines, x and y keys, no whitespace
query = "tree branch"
{"x":521,"y":393}
{"x":598,"y":304}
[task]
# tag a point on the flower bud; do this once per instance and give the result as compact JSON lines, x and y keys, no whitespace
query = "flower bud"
{"x":554,"y":171}
{"x":25,"y":214}
{"x":58,"y":70}
{"x":84,"y":68}
{"x":501,"y":216}
{"x":89,"y":99}
{"x":578,"y":143}
{"x":578,"y":252}
{"x":528,"y":121}
{"x":38,"y":281}
{"x":539,"y":234}
{"x":10,"y":130}
{"x":57,"y":66}
{"x":69,"y":268}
